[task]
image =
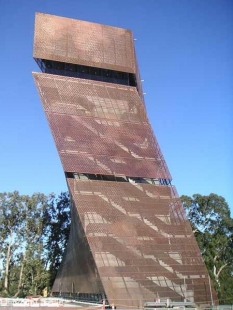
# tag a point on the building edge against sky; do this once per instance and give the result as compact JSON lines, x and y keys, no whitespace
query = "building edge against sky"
{"x":130,"y":240}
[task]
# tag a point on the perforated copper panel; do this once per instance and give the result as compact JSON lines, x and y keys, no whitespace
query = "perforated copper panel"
{"x":141,"y":242}
{"x":78,"y":272}
{"x":100,"y":127}
{"x":80,"y":42}
{"x":130,"y":241}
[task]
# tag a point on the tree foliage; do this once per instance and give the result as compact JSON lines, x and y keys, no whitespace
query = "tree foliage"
{"x":212,"y":225}
{"x":33,"y":234}
{"x":59,"y":219}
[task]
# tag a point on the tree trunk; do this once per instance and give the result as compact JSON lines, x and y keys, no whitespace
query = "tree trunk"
{"x":8,"y":259}
{"x":21,"y":275}
{"x":217,"y":273}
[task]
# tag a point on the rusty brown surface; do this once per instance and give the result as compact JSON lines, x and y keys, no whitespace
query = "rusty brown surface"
{"x":141,"y":242}
{"x":80,"y":42}
{"x":100,"y":128}
{"x":128,"y":240}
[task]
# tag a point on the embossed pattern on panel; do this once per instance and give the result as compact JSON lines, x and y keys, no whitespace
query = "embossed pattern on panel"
{"x":130,"y":240}
{"x":100,"y":128}
{"x":140,"y":241}
{"x":80,"y":42}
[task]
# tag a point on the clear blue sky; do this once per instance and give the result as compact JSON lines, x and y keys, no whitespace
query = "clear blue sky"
{"x":184,"y":50}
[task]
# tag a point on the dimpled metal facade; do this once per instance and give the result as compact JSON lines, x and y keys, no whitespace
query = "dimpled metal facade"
{"x":129,"y":239}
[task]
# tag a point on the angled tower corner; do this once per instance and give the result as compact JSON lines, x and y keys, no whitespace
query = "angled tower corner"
{"x":129,"y":240}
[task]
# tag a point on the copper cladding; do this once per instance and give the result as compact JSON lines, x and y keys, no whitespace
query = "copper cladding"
{"x":130,"y":241}
{"x":80,"y":42}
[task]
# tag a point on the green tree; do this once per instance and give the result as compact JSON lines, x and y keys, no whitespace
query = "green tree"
{"x":212,"y":225}
{"x":58,"y":229}
{"x":32,"y":240}
{"x":33,"y":234}
{"x":10,"y":226}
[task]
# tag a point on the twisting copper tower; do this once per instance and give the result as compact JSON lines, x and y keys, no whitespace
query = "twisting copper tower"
{"x":129,"y":240}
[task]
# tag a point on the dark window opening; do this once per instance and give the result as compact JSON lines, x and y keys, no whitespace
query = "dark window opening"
{"x":84,"y":297}
{"x":85,"y":72}
{"x":113,"y":178}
